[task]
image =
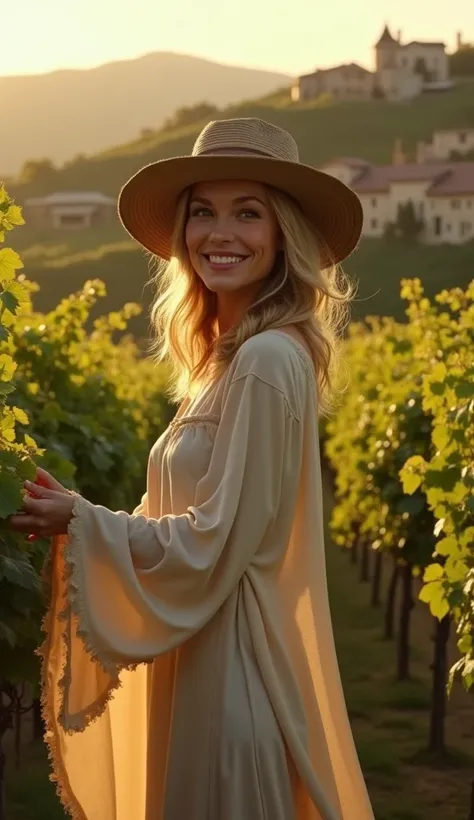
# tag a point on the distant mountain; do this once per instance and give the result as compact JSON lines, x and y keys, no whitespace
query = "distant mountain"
{"x":70,"y":112}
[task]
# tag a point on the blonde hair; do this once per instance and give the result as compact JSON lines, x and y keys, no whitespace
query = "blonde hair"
{"x":297,"y":292}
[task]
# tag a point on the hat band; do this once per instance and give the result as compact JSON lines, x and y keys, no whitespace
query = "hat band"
{"x":235,"y":151}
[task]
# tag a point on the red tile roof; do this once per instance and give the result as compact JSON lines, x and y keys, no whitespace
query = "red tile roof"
{"x":446,"y":178}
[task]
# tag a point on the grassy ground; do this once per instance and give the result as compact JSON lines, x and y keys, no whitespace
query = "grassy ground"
{"x":389,"y":719}
{"x":323,"y":129}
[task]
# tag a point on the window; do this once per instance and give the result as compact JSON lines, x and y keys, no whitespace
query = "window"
{"x":438,"y":226}
{"x":373,"y":202}
{"x":465,"y":228}
{"x":469,"y":203}
{"x":373,"y":223}
{"x":462,"y":137}
{"x":455,"y":204}
{"x":72,"y":221}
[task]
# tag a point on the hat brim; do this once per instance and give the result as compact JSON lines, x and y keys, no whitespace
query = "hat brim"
{"x":148,"y":201}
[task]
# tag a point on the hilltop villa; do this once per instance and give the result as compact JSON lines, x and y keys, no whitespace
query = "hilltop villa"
{"x":442,"y":194}
{"x":402,"y":71}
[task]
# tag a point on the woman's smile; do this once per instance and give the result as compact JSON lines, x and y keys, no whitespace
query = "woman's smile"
{"x":224,"y":261}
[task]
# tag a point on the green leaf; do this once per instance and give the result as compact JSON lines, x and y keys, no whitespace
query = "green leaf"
{"x":433,"y":595}
{"x":439,"y":372}
{"x":14,"y":216}
{"x":410,"y":481}
{"x":440,"y":437}
{"x":464,"y":390}
{"x":20,"y":415}
{"x":465,"y":644}
{"x":19,"y":572}
{"x":9,"y":263}
{"x":9,"y":300}
{"x":10,"y":494}
{"x":433,"y":572}
{"x":447,"y":546}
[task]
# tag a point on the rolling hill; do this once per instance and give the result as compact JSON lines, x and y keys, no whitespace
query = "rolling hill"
{"x":61,"y":261}
{"x":64,"y":113}
{"x":322,"y":129}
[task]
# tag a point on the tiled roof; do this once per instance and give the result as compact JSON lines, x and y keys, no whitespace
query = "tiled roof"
{"x":353,"y":67}
{"x":446,"y":178}
{"x":458,"y":180}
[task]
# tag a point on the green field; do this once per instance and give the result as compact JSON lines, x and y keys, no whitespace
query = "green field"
{"x":323,"y":130}
{"x":389,"y":719}
{"x":61,"y":264}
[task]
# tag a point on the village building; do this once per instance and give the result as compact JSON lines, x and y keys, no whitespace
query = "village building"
{"x":442,"y":195}
{"x":402,"y":71}
{"x":446,"y":144}
{"x":70,"y":210}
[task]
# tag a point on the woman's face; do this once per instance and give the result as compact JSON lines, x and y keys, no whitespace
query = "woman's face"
{"x":231,"y":236}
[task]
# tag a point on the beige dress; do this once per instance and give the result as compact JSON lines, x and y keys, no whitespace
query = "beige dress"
{"x":189,"y":669}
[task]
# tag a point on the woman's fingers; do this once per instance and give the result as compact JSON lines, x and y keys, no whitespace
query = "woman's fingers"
{"x":45,"y":479}
{"x":25,"y":523}
{"x":34,"y":506}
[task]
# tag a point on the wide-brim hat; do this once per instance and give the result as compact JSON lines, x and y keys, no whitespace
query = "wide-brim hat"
{"x":245,"y":149}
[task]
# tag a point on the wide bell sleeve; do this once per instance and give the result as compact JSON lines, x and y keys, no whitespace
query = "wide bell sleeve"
{"x":135,"y":587}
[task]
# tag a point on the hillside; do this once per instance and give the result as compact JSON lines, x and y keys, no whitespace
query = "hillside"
{"x":62,"y":264}
{"x":364,"y":129}
{"x":65,"y":113}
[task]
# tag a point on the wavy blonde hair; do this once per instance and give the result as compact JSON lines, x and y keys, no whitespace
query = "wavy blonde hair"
{"x":297,"y":292}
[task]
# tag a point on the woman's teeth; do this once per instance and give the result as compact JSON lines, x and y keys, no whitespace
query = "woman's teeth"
{"x":225,"y":260}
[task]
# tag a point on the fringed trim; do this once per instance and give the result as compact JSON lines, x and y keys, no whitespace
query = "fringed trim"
{"x":208,"y":422}
{"x":59,"y":775}
{"x":72,"y":606}
{"x":194,"y":421}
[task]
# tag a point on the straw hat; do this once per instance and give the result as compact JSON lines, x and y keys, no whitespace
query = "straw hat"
{"x":244,"y":149}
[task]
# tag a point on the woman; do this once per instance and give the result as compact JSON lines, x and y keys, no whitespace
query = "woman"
{"x":189,"y":665}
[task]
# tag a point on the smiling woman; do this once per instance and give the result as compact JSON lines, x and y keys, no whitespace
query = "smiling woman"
{"x":189,"y":646}
{"x":232,"y":238}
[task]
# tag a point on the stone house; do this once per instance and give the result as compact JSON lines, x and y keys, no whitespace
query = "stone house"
{"x":343,"y":82}
{"x":70,"y":210}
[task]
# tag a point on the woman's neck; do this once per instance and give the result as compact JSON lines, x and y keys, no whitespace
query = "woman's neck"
{"x":231,"y":307}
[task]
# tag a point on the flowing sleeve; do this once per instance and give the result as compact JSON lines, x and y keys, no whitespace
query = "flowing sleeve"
{"x":136,"y":587}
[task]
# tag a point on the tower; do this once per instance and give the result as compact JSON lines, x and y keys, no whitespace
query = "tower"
{"x":385,"y":51}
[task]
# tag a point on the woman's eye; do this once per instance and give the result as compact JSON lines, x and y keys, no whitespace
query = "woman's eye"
{"x":250,"y":214}
{"x":201,"y":212}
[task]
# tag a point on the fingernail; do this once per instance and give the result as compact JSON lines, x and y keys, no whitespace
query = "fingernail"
{"x":28,"y":484}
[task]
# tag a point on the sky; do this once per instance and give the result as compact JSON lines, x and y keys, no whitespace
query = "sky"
{"x":291,"y":36}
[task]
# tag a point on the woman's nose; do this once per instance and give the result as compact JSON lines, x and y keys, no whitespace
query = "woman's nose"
{"x":221,"y":231}
{"x":220,"y":236}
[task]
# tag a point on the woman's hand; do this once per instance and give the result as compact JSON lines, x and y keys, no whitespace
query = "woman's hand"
{"x":47,"y":508}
